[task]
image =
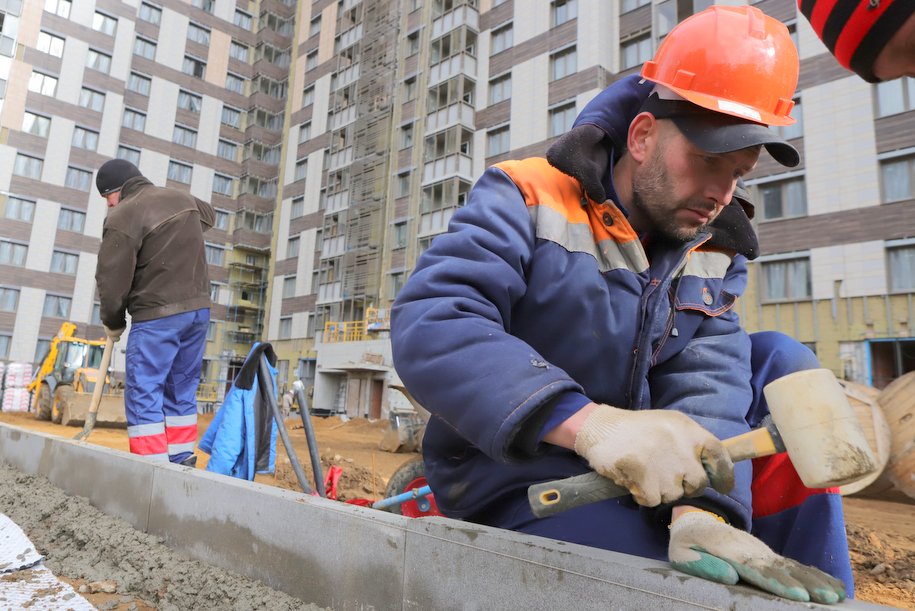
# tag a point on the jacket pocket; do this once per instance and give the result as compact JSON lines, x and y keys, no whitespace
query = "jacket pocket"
{"x":706,"y":298}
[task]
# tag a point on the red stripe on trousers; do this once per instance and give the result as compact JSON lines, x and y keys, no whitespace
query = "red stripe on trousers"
{"x":181,"y":434}
{"x":149,"y":444}
{"x":777,"y":486}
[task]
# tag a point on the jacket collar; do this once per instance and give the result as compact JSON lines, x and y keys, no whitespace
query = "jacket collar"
{"x":133,"y":186}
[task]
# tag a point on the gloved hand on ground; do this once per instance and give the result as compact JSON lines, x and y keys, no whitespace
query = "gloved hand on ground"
{"x":114,"y":334}
{"x":658,"y":455}
{"x":704,"y":546}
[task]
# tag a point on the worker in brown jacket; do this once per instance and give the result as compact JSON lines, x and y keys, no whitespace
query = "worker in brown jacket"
{"x":152,"y":264}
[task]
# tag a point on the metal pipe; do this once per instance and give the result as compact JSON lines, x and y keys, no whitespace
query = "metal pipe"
{"x":305,"y":414}
{"x":266,"y":387}
{"x":416,"y":493}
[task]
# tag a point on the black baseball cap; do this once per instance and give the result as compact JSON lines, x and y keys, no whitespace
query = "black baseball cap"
{"x":113,"y":174}
{"x":716,"y":132}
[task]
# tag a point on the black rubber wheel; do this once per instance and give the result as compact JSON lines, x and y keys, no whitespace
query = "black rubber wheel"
{"x":42,"y":403}
{"x":63,"y":397}
{"x":410,"y":476}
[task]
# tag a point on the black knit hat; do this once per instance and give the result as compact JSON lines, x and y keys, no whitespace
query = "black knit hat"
{"x":113,"y":174}
{"x":856,"y":31}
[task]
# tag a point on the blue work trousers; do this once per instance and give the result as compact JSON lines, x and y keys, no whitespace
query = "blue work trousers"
{"x":164,"y":358}
{"x":806,"y":525}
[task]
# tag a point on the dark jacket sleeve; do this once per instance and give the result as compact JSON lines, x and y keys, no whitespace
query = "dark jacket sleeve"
{"x":449,"y":327}
{"x":207,"y":214}
{"x":709,"y":380}
{"x":117,"y":260}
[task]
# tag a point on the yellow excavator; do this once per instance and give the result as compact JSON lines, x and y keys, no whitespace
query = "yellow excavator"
{"x":62,"y":388}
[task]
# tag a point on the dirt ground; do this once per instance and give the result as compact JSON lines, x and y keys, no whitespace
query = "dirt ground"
{"x":881,"y":533}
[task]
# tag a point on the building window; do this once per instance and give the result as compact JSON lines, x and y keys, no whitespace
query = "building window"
{"x":227,"y":150}
{"x":403,"y":185}
{"x":134,"y":120}
{"x":315,"y":26}
{"x":898,"y":177}
{"x":311,"y":60}
{"x":288,"y":287}
{"x":78,"y":179}
{"x":194,"y":66}
{"x":85,"y":138}
{"x":901,"y":267}
{"x":179,"y":172}
{"x":894,"y":97}
{"x":36,"y":124}
{"x":400,"y":235}
{"x":215,"y":255}
{"x":628,"y":5}
{"x":786,"y":279}
{"x":61,"y":8}
{"x":222,"y":220}
{"x":500,"y":88}
{"x":104,"y":24}
{"x":42,"y":347}
{"x":144,"y":48}
{"x":563,"y":63}
{"x":238,"y":51}
{"x":409,"y":89}
{"x":204,"y":5}
{"x":412,"y":43}
{"x":198,"y":34}
{"x":500,"y":39}
{"x":71,"y":220}
{"x":64,"y":262}
{"x":44,"y":84}
{"x":243,"y":20}
{"x":150,"y":13}
{"x":93,"y":100}
{"x":13,"y":253}
{"x":297,"y":208}
{"x":667,"y":17}
{"x":189,"y":101}
{"x":285,"y":327}
{"x":789,"y":132}
{"x":301,"y":169}
{"x":50,"y":44}
{"x":406,"y":136}
{"x":562,"y":11}
{"x":211,"y":331}
{"x":397,"y":281}
{"x":214,"y":292}
{"x":27,"y":166}
{"x":9,"y":299}
{"x":223,"y":185}
{"x":129,"y":154}
{"x":231,"y":117}
{"x":98,"y":61}
{"x":498,"y":141}
{"x":308,"y":96}
{"x":235,"y":83}
{"x":184,"y":136}
{"x":19,"y":209}
{"x":561,"y":119}
{"x":783,"y":199}
{"x":304,"y":132}
{"x":56,"y":306}
{"x":635,"y":52}
{"x":139,"y":84}
{"x":292,"y":247}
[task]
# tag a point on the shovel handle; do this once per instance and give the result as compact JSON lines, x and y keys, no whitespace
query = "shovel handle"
{"x":92,"y":415}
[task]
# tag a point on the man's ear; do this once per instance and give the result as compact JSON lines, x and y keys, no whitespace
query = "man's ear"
{"x":642,"y":137}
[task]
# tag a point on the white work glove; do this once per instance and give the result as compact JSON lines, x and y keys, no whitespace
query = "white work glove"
{"x":114,"y":334}
{"x":658,"y":455}
{"x":704,"y":546}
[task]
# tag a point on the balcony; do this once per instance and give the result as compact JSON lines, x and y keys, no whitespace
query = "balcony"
{"x":336,"y":202}
{"x":449,"y":116}
{"x":350,"y":37}
{"x":454,"y":65}
{"x":333,"y":247}
{"x":462,"y":15}
{"x":446,"y":167}
{"x":343,"y":117}
{"x":433,"y":223}
{"x":329,"y":292}
{"x":340,"y":159}
{"x":344,"y":77}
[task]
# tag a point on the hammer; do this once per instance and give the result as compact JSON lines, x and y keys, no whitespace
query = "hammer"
{"x":815,"y":425}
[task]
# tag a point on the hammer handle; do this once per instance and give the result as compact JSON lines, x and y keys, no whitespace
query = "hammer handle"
{"x":549,"y":498}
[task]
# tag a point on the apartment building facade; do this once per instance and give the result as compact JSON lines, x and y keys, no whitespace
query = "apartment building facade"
{"x":337,"y":137}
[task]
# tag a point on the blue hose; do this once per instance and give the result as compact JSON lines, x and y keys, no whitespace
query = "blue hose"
{"x":419,"y":494}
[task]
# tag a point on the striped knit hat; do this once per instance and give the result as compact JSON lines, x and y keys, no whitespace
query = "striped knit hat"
{"x":855,"y":31}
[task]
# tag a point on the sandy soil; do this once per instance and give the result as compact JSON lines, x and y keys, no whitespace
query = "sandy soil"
{"x":881,"y":533}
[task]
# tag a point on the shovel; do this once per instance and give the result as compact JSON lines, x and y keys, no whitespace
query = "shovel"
{"x":97,"y":391}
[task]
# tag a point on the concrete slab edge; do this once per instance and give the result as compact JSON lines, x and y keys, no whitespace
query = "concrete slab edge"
{"x":347,"y":557}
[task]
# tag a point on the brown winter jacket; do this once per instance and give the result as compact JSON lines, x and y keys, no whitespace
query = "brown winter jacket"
{"x":152,"y":261}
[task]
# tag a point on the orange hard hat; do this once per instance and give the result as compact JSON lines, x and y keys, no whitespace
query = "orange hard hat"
{"x":730,"y":59}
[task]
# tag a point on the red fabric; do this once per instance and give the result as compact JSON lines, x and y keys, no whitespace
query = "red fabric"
{"x":330,"y":481}
{"x":821,"y":11}
{"x":857,"y":28}
{"x":149,"y":444}
{"x":361,"y":502}
{"x":181,"y":434}
{"x":777,"y":486}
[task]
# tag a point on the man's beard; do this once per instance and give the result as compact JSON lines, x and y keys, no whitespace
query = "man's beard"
{"x":652,"y":194}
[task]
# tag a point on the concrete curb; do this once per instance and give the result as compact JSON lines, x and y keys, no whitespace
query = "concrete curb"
{"x":347,"y":557}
